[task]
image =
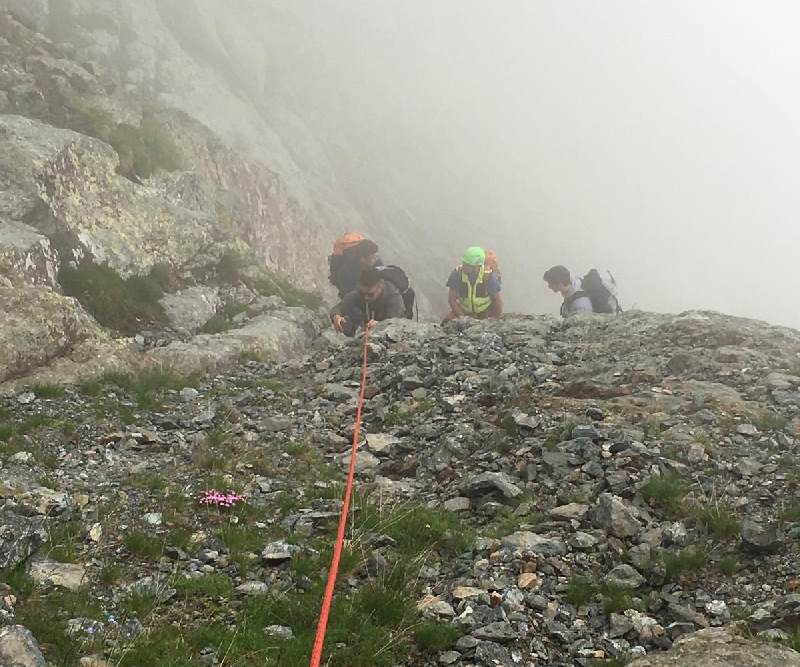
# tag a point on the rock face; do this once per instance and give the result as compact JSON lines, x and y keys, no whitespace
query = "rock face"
{"x":26,"y":257}
{"x":721,"y":647}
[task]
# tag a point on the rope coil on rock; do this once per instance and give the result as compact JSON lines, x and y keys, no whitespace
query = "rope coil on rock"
{"x":333,"y":571}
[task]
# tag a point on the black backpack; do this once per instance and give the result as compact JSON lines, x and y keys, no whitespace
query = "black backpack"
{"x":398,"y":278}
{"x":603,"y":297}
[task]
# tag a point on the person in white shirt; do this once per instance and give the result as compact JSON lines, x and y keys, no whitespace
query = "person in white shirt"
{"x":576,"y":301}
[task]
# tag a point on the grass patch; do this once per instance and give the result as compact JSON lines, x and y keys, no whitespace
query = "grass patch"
{"x":19,"y":580}
{"x":149,"y":387}
{"x":616,"y":598}
{"x":127,"y":305}
{"x":143,"y":545}
{"x":560,"y":434}
{"x":110,"y":575}
{"x":48,"y":391}
{"x":677,"y":563}
{"x":720,"y":523}
{"x":436,"y":637}
{"x":46,"y":617}
{"x":767,"y":420}
{"x":665,"y":493}
{"x":728,"y":565}
{"x":209,"y":585}
{"x":65,"y":541}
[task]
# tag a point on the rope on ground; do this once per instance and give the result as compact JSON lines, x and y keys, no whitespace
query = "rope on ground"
{"x":327,"y":598}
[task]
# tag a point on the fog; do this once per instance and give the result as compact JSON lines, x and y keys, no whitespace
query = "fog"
{"x":660,"y":140}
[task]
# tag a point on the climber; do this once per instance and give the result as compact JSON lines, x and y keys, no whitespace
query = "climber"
{"x":590,"y":294}
{"x":474,"y":288}
{"x":352,"y":253}
{"x":374,"y":300}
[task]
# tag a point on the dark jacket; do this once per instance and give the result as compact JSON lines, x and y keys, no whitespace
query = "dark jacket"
{"x":358,"y":312}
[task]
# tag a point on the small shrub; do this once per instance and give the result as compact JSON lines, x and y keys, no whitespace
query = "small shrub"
{"x":616,"y":598}
{"x":127,"y":305}
{"x":789,"y":513}
{"x":223,"y":321}
{"x":110,"y":575}
{"x":436,"y":637}
{"x":677,"y":563}
{"x":665,"y":492}
{"x":580,"y":590}
{"x":728,"y":565}
{"x":719,"y":522}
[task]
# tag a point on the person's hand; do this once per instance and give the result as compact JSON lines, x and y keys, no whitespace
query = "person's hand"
{"x":371,"y":324}
{"x":338,"y":322}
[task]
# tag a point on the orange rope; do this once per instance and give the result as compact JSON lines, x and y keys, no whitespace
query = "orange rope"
{"x":327,"y":599}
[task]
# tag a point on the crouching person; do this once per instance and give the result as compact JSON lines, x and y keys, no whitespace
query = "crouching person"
{"x":373,"y":300}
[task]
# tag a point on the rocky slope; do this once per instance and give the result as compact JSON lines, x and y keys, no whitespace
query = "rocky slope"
{"x":144,"y":216}
{"x":530,"y":492}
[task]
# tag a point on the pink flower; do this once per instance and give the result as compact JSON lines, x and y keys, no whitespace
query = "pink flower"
{"x":221,"y":499}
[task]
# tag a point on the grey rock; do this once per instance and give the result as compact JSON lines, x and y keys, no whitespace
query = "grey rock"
{"x":460,"y":504}
{"x":759,"y":537}
{"x":253,"y":588}
{"x":492,"y":483}
{"x":277,"y":552}
{"x":19,"y":537}
{"x":279,"y":631}
{"x":191,"y":308}
{"x":529,"y":542}
{"x":624,"y":576}
{"x":500,"y":631}
{"x":616,"y":516}
{"x":18,"y":648}
{"x":721,"y":647}
{"x":489,"y":654}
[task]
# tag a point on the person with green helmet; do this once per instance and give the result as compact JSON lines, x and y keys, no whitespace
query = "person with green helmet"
{"x":474,"y":288}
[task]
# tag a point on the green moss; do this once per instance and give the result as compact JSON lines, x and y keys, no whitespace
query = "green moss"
{"x":127,"y":305}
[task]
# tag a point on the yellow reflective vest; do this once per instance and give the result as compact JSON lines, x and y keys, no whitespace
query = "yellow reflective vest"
{"x":474,"y":298}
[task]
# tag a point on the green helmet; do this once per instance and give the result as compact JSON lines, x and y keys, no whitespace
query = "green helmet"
{"x":474,"y":256}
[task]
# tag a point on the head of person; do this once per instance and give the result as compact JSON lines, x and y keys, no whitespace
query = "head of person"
{"x":558,"y":279}
{"x":473,"y":259}
{"x":370,"y":285}
{"x":367,"y":253}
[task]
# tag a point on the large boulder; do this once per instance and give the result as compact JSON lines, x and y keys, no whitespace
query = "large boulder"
{"x":39,"y":325}
{"x":18,"y":648}
{"x":279,"y":335}
{"x":721,"y":647}
{"x":20,"y":536}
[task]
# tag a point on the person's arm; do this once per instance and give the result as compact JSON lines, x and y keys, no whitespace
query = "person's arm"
{"x":396,"y":307}
{"x":582,"y":305}
{"x":497,"y":306}
{"x":455,"y":304}
{"x":343,"y":310}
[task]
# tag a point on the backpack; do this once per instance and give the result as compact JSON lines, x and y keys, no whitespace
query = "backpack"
{"x":603,"y":294}
{"x":490,"y":265}
{"x":345,"y":242}
{"x":398,"y":278}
